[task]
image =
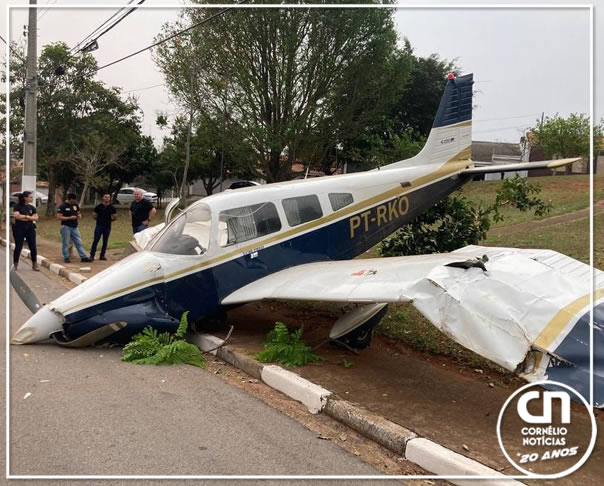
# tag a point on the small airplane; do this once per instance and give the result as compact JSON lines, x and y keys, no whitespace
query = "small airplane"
{"x":527,"y":310}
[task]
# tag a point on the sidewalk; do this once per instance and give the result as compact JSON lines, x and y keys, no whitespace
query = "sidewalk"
{"x":426,"y":394}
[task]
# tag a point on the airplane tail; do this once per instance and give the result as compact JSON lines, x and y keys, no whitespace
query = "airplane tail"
{"x":451,"y":134}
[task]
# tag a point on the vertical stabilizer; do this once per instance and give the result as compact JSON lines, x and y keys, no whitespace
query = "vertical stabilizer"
{"x":451,"y":134}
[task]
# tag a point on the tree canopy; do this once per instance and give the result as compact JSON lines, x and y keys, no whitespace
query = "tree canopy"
{"x":320,"y":86}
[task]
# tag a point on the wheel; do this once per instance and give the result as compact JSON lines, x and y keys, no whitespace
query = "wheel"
{"x":359,"y":338}
{"x":214,"y":323}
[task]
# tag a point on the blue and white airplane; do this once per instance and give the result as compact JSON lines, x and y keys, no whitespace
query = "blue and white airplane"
{"x":526,"y":310}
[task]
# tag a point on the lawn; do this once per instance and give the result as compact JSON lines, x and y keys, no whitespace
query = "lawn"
{"x":121,"y":230}
{"x":566,"y":193}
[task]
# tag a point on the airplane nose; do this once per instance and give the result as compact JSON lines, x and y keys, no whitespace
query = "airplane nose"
{"x":39,"y":327}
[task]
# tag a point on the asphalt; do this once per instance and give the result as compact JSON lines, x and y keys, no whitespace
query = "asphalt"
{"x":84,"y":412}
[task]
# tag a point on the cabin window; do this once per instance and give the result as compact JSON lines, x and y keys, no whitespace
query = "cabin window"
{"x":188,"y":234}
{"x":340,"y":200}
{"x":302,"y":209}
{"x":249,"y":222}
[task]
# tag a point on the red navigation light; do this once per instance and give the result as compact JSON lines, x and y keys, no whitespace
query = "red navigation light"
{"x":450,"y":76}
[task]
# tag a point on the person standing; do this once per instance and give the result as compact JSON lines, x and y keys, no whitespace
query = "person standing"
{"x":141,"y":212}
{"x":25,"y":229}
{"x":69,"y":214}
{"x":104,"y":214}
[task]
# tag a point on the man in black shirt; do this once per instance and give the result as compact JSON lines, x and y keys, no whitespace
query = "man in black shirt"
{"x":104,"y":214}
{"x":69,"y":214}
{"x":141,"y":211}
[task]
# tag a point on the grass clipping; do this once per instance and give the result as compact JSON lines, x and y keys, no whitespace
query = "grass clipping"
{"x":150,"y":347}
{"x":285,"y":348}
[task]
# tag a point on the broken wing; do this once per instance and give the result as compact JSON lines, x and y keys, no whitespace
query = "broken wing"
{"x":528,"y":312}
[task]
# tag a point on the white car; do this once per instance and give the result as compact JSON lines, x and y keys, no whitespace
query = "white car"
{"x":126,"y":195}
{"x":40,"y":198}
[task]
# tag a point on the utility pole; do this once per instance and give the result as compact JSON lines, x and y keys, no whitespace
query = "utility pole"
{"x":28,"y":181}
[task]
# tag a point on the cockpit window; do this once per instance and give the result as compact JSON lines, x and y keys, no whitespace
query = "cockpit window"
{"x":241,"y":224}
{"x":188,"y":234}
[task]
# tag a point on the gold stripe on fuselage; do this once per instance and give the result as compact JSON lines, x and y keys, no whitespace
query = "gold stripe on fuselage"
{"x":454,"y":165}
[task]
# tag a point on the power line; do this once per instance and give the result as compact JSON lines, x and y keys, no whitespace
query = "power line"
{"x":43,"y":12}
{"x":99,"y":27}
{"x":143,"y":89}
{"x":92,"y":41}
{"x":505,"y":118}
{"x":155,"y":44}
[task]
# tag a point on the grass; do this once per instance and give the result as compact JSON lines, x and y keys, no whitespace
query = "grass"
{"x":121,"y":229}
{"x":566,"y":193}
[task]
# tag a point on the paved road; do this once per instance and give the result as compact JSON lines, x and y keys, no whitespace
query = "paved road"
{"x":89,"y":413}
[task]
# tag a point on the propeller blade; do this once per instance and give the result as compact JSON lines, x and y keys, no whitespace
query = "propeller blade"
{"x":90,"y":338}
{"x":24,"y":292}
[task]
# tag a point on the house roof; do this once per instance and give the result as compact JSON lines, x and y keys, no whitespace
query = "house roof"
{"x":485,"y":151}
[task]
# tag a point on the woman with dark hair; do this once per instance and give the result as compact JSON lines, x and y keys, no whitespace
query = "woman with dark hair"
{"x":25,"y":228}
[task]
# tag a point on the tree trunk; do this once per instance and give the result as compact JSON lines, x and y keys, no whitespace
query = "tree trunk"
{"x":51,"y":207}
{"x":83,"y":196}
{"x":183,"y":186}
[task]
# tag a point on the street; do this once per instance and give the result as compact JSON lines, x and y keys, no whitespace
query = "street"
{"x":84,"y":412}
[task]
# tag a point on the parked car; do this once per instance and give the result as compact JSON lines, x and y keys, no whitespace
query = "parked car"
{"x":126,"y":195}
{"x":40,"y":198}
{"x":240,"y":184}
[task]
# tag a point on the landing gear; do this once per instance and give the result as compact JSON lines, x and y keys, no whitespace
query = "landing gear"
{"x":215,"y":323}
{"x":355,"y":329}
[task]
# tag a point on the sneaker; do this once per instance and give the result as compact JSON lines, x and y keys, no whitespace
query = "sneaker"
{"x":16,"y":265}
{"x":66,"y":260}
{"x":103,"y":258}
{"x":85,"y":259}
{"x":35,"y":267}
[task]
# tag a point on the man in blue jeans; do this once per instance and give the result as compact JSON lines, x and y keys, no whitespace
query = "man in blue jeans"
{"x":69,"y":214}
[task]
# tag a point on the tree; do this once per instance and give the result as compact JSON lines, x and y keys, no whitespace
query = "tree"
{"x":566,"y":137}
{"x":209,"y":150}
{"x":277,"y":71}
{"x":456,"y":222}
{"x":71,"y":108}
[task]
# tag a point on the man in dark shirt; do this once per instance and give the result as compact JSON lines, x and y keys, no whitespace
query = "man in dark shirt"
{"x":25,"y":228}
{"x":69,"y":214}
{"x":104,"y":214}
{"x":141,"y":212}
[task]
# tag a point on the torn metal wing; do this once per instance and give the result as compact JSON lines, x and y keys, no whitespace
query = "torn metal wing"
{"x":528,"y":312}
{"x":542,"y":164}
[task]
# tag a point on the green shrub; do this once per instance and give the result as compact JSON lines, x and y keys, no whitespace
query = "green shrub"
{"x":285,"y":348}
{"x":150,"y":347}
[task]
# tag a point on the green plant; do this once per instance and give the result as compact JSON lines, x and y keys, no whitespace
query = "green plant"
{"x":456,"y":221}
{"x":347,"y":364}
{"x":151,"y":347}
{"x":285,"y":348}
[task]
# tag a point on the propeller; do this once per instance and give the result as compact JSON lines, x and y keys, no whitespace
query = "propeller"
{"x":24,"y":292}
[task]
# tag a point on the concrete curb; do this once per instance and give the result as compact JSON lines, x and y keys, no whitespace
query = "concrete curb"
{"x":61,"y":270}
{"x":425,"y":453}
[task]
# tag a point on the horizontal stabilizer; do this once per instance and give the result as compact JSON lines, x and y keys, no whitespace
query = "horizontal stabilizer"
{"x":544,"y":164}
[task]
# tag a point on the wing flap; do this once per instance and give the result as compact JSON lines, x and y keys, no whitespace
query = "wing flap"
{"x":545,"y":164}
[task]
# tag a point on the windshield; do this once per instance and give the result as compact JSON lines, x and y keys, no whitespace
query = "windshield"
{"x":188,"y":234}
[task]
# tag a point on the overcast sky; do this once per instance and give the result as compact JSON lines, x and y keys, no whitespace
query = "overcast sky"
{"x":525,"y":61}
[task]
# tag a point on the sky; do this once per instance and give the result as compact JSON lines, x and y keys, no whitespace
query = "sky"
{"x":526,"y":62}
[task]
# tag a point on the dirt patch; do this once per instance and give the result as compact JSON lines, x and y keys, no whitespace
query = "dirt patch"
{"x":535,"y":225}
{"x":455,"y":406}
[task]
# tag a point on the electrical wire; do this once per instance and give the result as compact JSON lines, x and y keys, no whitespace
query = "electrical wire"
{"x":43,"y":12}
{"x":99,"y":27}
{"x":98,"y":36}
{"x":155,"y":44}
